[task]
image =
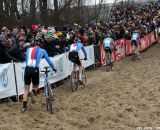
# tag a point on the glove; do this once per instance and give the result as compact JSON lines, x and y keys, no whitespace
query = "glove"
{"x":85,"y":58}
{"x":55,"y":70}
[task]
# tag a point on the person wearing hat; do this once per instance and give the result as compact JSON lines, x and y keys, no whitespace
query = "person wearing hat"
{"x":59,"y":33}
{"x":52,"y":44}
{"x":31,"y":75}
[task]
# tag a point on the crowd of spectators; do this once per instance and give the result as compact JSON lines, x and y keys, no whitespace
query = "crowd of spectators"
{"x":57,"y":39}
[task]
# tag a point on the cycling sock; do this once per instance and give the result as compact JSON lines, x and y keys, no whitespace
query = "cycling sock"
{"x":24,"y":104}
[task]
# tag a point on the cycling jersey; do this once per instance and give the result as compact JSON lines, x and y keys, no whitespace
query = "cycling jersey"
{"x":34,"y":55}
{"x":77,"y":47}
{"x":135,"y":37}
{"x":107,"y":42}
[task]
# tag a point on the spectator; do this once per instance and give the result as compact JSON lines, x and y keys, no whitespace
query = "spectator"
{"x":16,"y":50}
{"x":4,"y":54}
{"x":51,"y":44}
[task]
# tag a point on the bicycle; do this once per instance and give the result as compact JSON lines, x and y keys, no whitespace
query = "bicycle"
{"x":134,"y":55}
{"x":109,"y":63}
{"x":48,"y":91}
{"x":74,"y":79}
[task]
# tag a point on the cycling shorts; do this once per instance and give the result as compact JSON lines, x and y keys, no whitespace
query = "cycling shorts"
{"x":73,"y":57}
{"x":108,"y":49}
{"x":31,"y":74}
{"x":134,"y":42}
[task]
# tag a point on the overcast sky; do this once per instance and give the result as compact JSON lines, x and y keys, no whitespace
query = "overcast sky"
{"x":97,"y":1}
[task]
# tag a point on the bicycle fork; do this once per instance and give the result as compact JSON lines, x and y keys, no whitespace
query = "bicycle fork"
{"x":46,"y":88}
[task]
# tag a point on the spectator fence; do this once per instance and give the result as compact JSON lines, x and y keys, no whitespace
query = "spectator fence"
{"x":11,"y":74}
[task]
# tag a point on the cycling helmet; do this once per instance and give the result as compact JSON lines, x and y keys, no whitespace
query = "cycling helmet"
{"x":38,"y":41}
{"x":2,"y":38}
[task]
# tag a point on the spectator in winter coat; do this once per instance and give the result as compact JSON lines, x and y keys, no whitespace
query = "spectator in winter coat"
{"x":4,"y":54}
{"x":16,"y":50}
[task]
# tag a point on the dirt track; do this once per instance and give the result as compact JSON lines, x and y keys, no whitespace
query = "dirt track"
{"x":127,"y":98}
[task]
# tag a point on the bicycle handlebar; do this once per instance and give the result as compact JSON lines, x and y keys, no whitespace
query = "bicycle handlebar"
{"x":84,"y":60}
{"x":46,"y":70}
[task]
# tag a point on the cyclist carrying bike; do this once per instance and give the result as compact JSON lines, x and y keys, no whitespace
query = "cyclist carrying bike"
{"x":108,"y":42}
{"x":33,"y":58}
{"x":74,"y":57}
{"x":135,"y":40}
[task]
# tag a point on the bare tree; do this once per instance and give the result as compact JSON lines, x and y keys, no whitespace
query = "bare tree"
{"x":97,"y":13}
{"x":22,"y":3}
{"x":1,"y":12}
{"x":6,"y":6}
{"x":56,"y":16}
{"x":33,"y":9}
{"x":66,"y":11}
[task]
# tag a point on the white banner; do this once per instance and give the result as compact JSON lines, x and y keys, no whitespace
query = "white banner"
{"x":62,"y":64}
{"x":7,"y":80}
{"x":90,"y":56}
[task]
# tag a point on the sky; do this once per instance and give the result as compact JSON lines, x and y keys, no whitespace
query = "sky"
{"x":105,"y":1}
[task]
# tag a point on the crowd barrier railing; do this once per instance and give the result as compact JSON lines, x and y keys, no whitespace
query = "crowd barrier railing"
{"x":123,"y":47}
{"x":12,"y":74}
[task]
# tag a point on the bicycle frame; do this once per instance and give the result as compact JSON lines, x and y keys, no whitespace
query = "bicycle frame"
{"x":108,"y":57}
{"x":46,"y":87}
{"x":109,"y":61}
{"x":48,"y":91}
{"x":75,"y":78}
{"x":134,"y":52}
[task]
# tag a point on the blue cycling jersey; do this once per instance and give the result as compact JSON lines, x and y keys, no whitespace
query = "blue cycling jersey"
{"x":135,"y":36}
{"x":34,"y":55}
{"x":107,"y":42}
{"x":77,"y":47}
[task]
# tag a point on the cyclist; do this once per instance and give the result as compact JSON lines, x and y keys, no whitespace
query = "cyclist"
{"x":135,"y":40}
{"x":107,"y":44}
{"x":74,"y":57}
{"x":33,"y":57}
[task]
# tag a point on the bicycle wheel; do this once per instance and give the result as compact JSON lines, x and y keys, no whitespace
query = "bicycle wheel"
{"x":74,"y":81}
{"x":84,"y":77}
{"x":134,"y":56}
{"x":109,"y":65}
{"x":50,"y":100}
{"x":47,"y":102}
